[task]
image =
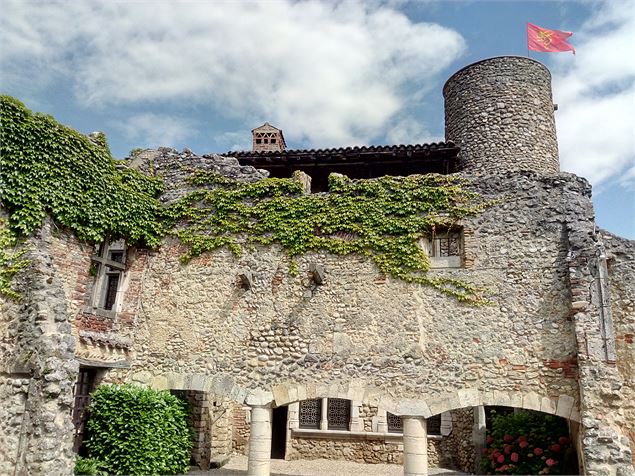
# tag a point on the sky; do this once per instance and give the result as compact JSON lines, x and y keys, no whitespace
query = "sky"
{"x":202,"y":74}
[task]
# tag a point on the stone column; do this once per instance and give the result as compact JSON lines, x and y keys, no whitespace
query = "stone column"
{"x":324,"y":421}
{"x":260,"y":441}
{"x":382,"y":421}
{"x":415,"y":446}
{"x":355,"y":424}
{"x":478,"y":436}
{"x":294,"y":415}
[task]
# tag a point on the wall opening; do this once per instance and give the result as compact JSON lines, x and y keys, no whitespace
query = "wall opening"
{"x":279,"y":432}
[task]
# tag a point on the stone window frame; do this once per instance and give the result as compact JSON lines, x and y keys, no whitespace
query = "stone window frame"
{"x":379,"y":429}
{"x":88,"y":378}
{"x":433,"y":247}
{"x":308,"y":420}
{"x":326,"y":409}
{"x":106,"y":269}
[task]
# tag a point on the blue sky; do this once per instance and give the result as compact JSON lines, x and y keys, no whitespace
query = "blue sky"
{"x":202,"y":74}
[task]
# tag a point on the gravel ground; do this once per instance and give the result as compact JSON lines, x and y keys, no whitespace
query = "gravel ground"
{"x":237,"y":465}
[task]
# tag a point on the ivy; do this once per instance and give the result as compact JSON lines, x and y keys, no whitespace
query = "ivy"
{"x":49,"y":169}
{"x":12,"y":260}
{"x":383,"y":219}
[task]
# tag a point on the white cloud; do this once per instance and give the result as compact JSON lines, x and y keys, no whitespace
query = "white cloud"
{"x":154,"y":130}
{"x":410,"y":131}
{"x":595,"y":91}
{"x":329,"y":73}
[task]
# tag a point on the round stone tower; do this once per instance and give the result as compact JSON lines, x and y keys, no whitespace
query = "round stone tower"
{"x":499,"y":111}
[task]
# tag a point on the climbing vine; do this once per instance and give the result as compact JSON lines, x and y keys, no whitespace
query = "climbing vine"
{"x":383,"y":219}
{"x":11,"y":259}
{"x":49,"y":169}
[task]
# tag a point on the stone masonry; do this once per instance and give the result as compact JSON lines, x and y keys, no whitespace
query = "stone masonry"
{"x":557,"y":335}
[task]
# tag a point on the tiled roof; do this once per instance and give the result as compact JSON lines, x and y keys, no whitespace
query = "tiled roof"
{"x":343,"y":151}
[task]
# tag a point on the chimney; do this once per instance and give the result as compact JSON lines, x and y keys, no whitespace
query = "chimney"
{"x":267,"y":138}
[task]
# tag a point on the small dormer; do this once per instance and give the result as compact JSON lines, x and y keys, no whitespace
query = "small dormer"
{"x":267,"y":138}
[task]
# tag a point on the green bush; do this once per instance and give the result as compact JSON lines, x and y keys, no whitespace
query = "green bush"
{"x":88,"y":466}
{"x":135,"y":430}
{"x":528,"y":443}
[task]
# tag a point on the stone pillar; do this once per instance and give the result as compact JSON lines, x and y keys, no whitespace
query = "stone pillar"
{"x":294,"y":415}
{"x":355,"y":423}
{"x":478,"y":436}
{"x":324,"y":422}
{"x":260,"y":441}
{"x":382,"y":421}
{"x":415,"y":446}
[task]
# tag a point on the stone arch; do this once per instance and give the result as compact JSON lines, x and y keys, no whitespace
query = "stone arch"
{"x":564,"y":406}
{"x":286,"y":393}
{"x":220,"y":385}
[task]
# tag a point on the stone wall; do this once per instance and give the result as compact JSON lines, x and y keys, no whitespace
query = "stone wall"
{"x":201,"y":424}
{"x":222,"y":430}
{"x":500,"y":112}
{"x":240,"y":429}
{"x":459,"y":444}
{"x":365,"y":449}
{"x":356,"y":327}
{"x":619,"y":393}
{"x":38,"y":369}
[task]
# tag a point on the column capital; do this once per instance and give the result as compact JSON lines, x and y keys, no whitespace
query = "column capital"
{"x":259,"y":398}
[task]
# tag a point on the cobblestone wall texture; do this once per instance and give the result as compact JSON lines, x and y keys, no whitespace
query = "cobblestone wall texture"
{"x":459,"y":443}
{"x":38,"y":370}
{"x":369,"y":450}
{"x":500,"y":112}
{"x":557,"y":335}
{"x":356,"y":327}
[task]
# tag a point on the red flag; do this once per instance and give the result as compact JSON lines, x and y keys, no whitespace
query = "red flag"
{"x":541,"y":39}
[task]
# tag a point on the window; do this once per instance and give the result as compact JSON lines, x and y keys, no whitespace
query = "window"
{"x":338,"y":413}
{"x":310,"y":413}
{"x":258,"y":141}
{"x":325,"y":414}
{"x":108,"y":267}
{"x":266,"y":141}
{"x":273,"y":141}
{"x":445,"y":248}
{"x":433,"y":425}
{"x":83,"y":387}
{"x":395,"y":424}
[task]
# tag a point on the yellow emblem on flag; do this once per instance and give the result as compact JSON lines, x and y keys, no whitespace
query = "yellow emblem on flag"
{"x":545,"y":37}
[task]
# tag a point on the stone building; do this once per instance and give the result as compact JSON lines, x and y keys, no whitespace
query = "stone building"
{"x":341,"y":360}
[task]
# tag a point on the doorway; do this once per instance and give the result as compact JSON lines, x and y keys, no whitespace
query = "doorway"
{"x":279,"y":432}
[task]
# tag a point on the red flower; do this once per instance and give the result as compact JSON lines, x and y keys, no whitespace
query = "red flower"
{"x":523,"y":444}
{"x":537,"y":451}
{"x":507,"y":449}
{"x":555,"y":448}
{"x":551,"y":462}
{"x":485,"y":450}
{"x":522,"y":438}
{"x":563,"y":440}
{"x":508,"y":438}
{"x":489,"y":440}
{"x":500,"y":459}
{"x":514,"y":457}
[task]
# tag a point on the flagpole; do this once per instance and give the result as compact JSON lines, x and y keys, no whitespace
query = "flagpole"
{"x":527,"y":39}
